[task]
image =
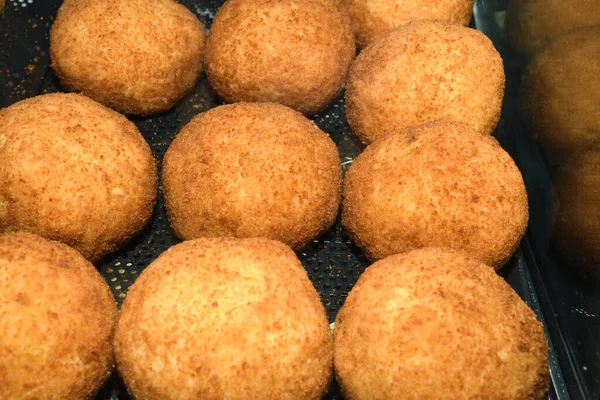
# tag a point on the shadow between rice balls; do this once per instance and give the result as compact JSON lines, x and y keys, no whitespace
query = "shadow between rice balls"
{"x":440,"y":184}
{"x":74,"y":171}
{"x":293,"y":52}
{"x":252,"y":170}
{"x":422,"y":72}
{"x":224,"y":318}
{"x":136,"y":56}
{"x":57,"y":320}
{"x":561,"y":93}
{"x":435,"y":324}
{"x":374,"y":19}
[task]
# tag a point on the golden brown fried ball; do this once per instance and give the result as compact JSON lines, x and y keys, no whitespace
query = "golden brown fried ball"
{"x":74,"y":171}
{"x":425,"y":71}
{"x":57,"y":320}
{"x":252,"y":170}
{"x":376,"y":18}
{"x":293,"y":52}
{"x":577,"y":229}
{"x":561,"y":93}
{"x":531,"y":24}
{"x":435,"y":324}
{"x":136,"y":56}
{"x":224,"y":318}
{"x":441,"y":184}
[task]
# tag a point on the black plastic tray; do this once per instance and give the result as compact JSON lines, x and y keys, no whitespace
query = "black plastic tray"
{"x":332,"y":261}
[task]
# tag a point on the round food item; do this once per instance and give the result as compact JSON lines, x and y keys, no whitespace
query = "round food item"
{"x":561,"y":93}
{"x":531,"y":24}
{"x":224,"y":318}
{"x":376,"y":18}
{"x":136,"y":56}
{"x":577,"y":228}
{"x":425,"y":71}
{"x":57,"y":320}
{"x":440,"y":184}
{"x":435,"y":324}
{"x":74,"y":171}
{"x":252,"y":170}
{"x":293,"y":52}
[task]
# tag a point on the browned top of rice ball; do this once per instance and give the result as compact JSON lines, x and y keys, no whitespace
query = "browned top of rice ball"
{"x":434,"y":324}
{"x":441,"y":184}
{"x":293,"y":52}
{"x":57,"y":318}
{"x":531,"y":24}
{"x":376,"y":18}
{"x":74,"y":171}
{"x":577,"y":228}
{"x":136,"y":56}
{"x":221,"y":317}
{"x":252,"y":170}
{"x":561,"y":93}
{"x":421,"y":72}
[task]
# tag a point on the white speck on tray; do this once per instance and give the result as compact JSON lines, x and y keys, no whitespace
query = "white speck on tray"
{"x":204,"y":12}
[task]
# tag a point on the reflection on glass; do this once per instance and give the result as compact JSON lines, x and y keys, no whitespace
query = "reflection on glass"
{"x":531,"y":23}
{"x":561,"y":93}
{"x":577,"y":228}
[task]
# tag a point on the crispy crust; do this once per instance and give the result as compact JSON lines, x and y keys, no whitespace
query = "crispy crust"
{"x":531,"y":24}
{"x":422,"y":72}
{"x":137,"y":56}
{"x":293,"y":52}
{"x":577,"y":228}
{"x":252,"y":170}
{"x":74,"y":171}
{"x":561,"y":89}
{"x":375,"y":18}
{"x":224,"y":318}
{"x":441,"y":184}
{"x":434,"y":324}
{"x":57,"y":320}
